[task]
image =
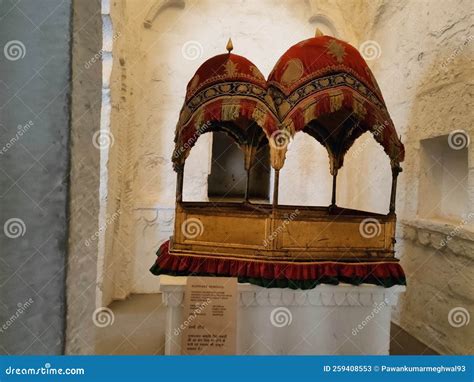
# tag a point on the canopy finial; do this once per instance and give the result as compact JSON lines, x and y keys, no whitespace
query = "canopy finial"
{"x":229,"y":45}
{"x":318,"y":33}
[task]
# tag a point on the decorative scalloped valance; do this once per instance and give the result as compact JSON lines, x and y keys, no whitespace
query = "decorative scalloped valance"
{"x":324,"y":87}
{"x":279,"y":274}
{"x":228,"y":93}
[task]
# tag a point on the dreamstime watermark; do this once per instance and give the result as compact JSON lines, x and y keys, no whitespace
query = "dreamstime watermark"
{"x":280,"y":228}
{"x":14,"y":50}
{"x":21,"y":308}
{"x":45,"y":370}
{"x":102,"y":228}
{"x":192,"y":228}
{"x":21,"y":129}
{"x":103,"y":317}
{"x":370,"y":50}
{"x":14,"y":228}
{"x":196,"y":312}
{"x":377,"y":308}
{"x":192,"y":140}
{"x":458,"y":139}
{"x":458,"y":317}
{"x":192,"y":50}
{"x":280,"y":139}
{"x":280,"y":317}
{"x":103,"y":139}
{"x":377,"y":130}
{"x":457,"y":229}
{"x":370,"y":228}
{"x":98,"y":56}
{"x":457,"y":51}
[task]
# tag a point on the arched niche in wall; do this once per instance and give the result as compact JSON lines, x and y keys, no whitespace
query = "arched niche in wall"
{"x":443,"y":180}
{"x":157,"y":7}
{"x":325,"y":15}
{"x":324,"y":24}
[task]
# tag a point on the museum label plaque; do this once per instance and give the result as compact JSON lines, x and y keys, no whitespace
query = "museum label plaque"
{"x":210,"y":315}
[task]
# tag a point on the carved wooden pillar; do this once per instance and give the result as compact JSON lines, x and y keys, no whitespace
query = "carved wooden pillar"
{"x":249,"y":152}
{"x":179,"y":183}
{"x":247,"y":186}
{"x":334,"y":182}
{"x":276,"y":182}
{"x":393,"y":195}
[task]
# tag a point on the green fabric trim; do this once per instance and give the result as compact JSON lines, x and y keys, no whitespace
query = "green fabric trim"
{"x":311,"y":284}
{"x":291,"y":284}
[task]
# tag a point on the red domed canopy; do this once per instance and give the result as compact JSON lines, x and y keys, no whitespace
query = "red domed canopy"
{"x":324,"y":87}
{"x":228,"y":93}
{"x":321,"y":86}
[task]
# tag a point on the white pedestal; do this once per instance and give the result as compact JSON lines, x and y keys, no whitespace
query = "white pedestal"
{"x":330,"y":319}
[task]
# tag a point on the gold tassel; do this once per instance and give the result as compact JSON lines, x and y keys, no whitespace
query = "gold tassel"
{"x":277,"y":157}
{"x":230,"y":111}
{"x":359,"y":109}
{"x":309,"y":113}
{"x":249,"y":155}
{"x":199,"y":119}
{"x":259,"y":116}
{"x":335,"y":101}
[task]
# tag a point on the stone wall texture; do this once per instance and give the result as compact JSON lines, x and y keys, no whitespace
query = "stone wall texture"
{"x":425,"y":73}
{"x":35,"y":90}
{"x":86,"y":178}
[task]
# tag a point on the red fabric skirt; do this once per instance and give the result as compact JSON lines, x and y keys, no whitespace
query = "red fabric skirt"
{"x":295,"y":275}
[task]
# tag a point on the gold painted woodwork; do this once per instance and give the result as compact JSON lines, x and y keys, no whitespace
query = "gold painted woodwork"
{"x":293,"y":233}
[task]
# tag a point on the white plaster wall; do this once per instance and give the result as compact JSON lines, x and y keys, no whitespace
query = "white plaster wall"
{"x":429,"y":94}
{"x":425,"y":96}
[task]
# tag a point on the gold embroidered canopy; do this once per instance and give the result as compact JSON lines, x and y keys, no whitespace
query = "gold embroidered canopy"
{"x":321,"y":86}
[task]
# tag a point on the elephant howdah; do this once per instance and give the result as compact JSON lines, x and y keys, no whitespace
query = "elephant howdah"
{"x":323,"y":87}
